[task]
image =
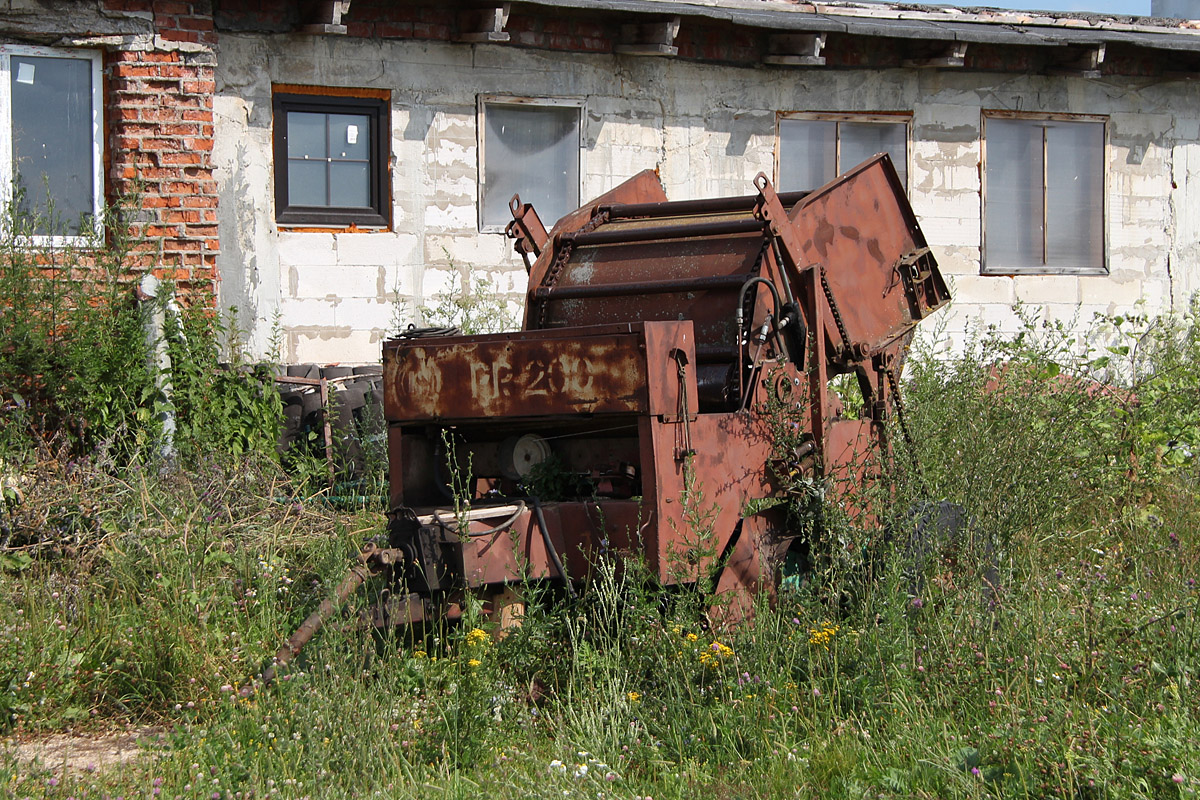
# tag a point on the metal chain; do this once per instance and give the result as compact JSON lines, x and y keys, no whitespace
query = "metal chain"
{"x":902,"y":418}
{"x":565,"y":246}
{"x":837,"y":315}
{"x":560,"y":260}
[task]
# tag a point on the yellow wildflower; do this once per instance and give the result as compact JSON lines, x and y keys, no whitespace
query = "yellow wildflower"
{"x":474,"y":662}
{"x":634,"y":697}
{"x":822,"y":636}
{"x":476,"y":637}
{"x":691,"y":637}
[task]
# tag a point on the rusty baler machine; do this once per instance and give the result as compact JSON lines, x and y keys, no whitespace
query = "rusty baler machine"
{"x":663,"y":344}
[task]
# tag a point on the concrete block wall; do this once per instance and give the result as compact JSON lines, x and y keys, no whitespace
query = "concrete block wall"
{"x":708,"y":129}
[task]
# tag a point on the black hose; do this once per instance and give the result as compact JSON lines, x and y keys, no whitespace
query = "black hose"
{"x":413,"y":332}
{"x":495,"y":529}
{"x":541,"y":521}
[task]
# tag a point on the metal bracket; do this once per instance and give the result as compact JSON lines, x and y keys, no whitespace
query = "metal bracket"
{"x":795,"y":50}
{"x":484,"y":25}
{"x":948,"y":56}
{"x":527,"y":229}
{"x":649,"y":38}
{"x":325,"y":17}
{"x":1079,"y":62}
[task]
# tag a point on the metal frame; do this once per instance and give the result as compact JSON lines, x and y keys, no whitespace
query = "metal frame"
{"x":1043,"y":268}
{"x":838,"y":117}
{"x":7,"y":51}
{"x":484,"y":100}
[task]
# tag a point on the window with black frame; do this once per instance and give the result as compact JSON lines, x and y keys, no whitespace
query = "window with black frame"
{"x":331,"y":156}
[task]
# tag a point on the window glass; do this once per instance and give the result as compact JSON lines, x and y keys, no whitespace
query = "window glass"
{"x":1013,"y":215}
{"x":1074,"y":194}
{"x":329,"y":159}
{"x":52,"y":142}
{"x":532,"y":151}
{"x":813,"y":152}
{"x":807,"y":153}
{"x":1044,"y":202}
{"x":862,"y":140}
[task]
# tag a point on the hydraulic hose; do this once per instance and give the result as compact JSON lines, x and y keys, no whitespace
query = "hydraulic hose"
{"x":554,"y":559}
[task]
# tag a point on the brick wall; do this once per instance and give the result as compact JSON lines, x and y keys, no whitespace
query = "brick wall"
{"x":159,"y":113}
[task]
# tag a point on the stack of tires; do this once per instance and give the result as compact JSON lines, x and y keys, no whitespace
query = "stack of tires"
{"x":354,"y":411}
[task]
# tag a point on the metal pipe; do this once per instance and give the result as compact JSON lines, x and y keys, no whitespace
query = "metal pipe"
{"x":355,"y":578}
{"x":639,"y":288}
{"x":714,"y":205}
{"x":622,"y":235}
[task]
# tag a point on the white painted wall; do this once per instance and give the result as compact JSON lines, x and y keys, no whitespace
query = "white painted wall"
{"x":708,"y":129}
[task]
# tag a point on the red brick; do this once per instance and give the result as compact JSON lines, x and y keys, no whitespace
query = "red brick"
{"x":128,"y":5}
{"x":180,"y":36}
{"x":160,"y":58}
{"x":184,"y":157}
{"x":132,"y":71}
{"x":168,"y":8}
{"x":199,"y":87}
{"x":195,"y":23}
{"x":199,"y":201}
{"x":180,"y":215}
{"x":174,"y":71}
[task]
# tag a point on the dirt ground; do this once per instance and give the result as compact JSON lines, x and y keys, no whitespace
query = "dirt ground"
{"x":86,"y":752}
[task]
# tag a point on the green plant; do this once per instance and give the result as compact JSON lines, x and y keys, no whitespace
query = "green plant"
{"x":73,"y":354}
{"x":477,"y":308}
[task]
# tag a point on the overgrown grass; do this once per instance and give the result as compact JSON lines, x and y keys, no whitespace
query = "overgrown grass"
{"x":1051,"y":651}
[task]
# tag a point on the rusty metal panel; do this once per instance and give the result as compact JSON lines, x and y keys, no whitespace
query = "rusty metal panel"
{"x":458,"y":378}
{"x":860,"y":228}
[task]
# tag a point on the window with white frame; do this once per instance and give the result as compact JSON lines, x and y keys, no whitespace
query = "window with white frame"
{"x":1043,"y":193}
{"x":50,"y":150}
{"x":530,"y":148}
{"x":816,"y":148}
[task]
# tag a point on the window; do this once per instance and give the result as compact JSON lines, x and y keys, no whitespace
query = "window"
{"x":50,"y":157}
{"x":331,"y":159}
{"x":1043,"y":195}
{"x":816,"y":148}
{"x":530,"y":148}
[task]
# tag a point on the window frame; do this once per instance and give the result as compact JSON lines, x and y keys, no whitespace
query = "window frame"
{"x":7,"y":183}
{"x":376,"y":105}
{"x":838,"y":117}
{"x":1042,"y":269}
{"x":482,"y":101}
